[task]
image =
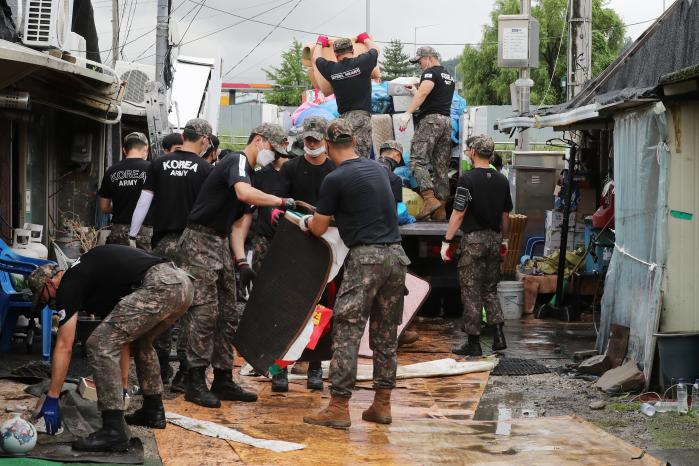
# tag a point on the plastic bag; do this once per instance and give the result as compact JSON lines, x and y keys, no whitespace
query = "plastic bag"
{"x":403,"y":216}
{"x":458,"y":105}
{"x":381,"y":102}
{"x":412,"y":201}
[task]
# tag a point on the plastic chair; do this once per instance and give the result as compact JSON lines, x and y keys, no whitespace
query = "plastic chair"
{"x":14,"y":303}
{"x":532,"y":242}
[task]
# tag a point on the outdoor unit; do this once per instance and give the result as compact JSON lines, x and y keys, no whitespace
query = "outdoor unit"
{"x":47,"y":23}
{"x":136,"y":76}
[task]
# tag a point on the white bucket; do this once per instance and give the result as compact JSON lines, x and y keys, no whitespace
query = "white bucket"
{"x":511,"y":296}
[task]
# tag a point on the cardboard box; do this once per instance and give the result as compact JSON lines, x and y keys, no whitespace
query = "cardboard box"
{"x":397,"y":89}
{"x":554,"y":219}
{"x":87,"y":390}
{"x":401,"y":102}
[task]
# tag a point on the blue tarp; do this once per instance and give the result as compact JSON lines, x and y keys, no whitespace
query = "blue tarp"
{"x":458,"y":105}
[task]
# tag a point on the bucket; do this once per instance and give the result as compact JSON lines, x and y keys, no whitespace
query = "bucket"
{"x":511,"y":296}
{"x":678,"y":356}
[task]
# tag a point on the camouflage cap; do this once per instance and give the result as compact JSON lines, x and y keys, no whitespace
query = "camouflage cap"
{"x":37,"y":280}
{"x":200,"y":126}
{"x":422,"y":52}
{"x":339,"y":131}
{"x":314,"y":127}
{"x":342,"y":45}
{"x":275,"y":134}
{"x":482,"y":144}
{"x":394,"y":145}
{"x":136,"y":136}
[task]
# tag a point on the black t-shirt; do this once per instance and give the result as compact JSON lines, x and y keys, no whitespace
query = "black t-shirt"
{"x":101,"y":277}
{"x":217,"y":206}
{"x":350,"y":79}
{"x":175,"y":180}
{"x":270,"y":181}
{"x":358,"y":193}
{"x":439,"y":100}
{"x":396,"y":181}
{"x":122,"y":184}
{"x":303,"y":179}
{"x":490,"y":198}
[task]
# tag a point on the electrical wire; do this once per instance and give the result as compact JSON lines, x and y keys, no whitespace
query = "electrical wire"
{"x":203,"y":2}
{"x":129,"y":21}
{"x":264,"y":38}
{"x":558,"y":54}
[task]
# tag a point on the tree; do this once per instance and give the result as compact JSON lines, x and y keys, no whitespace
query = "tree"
{"x":486,"y":84}
{"x":290,"y":78}
{"x":396,"y":62}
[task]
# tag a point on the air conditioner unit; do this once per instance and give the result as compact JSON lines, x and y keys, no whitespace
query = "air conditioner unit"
{"x":47,"y":23}
{"x":136,"y":76}
{"x":78,"y":45}
{"x":16,"y":7}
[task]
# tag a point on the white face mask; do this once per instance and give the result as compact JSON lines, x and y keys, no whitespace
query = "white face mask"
{"x":265,"y":157}
{"x":313,"y":152}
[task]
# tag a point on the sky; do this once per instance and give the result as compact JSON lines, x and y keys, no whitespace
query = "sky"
{"x":248,"y":48}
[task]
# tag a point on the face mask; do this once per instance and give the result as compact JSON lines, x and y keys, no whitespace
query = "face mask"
{"x":265,"y":157}
{"x":389,"y":162}
{"x":313,"y":152}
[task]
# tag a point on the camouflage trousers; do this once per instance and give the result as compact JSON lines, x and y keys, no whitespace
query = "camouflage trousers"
{"x":166,"y":292}
{"x":361,"y":127}
{"x":167,"y":247}
{"x":372,"y":288}
{"x":260,"y":246}
{"x":119,"y":234}
{"x":213,"y":318}
{"x":479,"y":274}
{"x":431,"y":147}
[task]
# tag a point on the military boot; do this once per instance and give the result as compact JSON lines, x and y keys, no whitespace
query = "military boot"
{"x":111,"y":437}
{"x":280,"y":381}
{"x":336,"y":415}
{"x":226,"y":389}
{"x":440,"y":215}
{"x":197,"y":392}
{"x":314,"y":376}
{"x":151,"y":414}
{"x":380,"y":409}
{"x":472,"y":347}
{"x":499,"y":342}
{"x":408,"y":337}
{"x":429,"y":206}
{"x":179,"y":382}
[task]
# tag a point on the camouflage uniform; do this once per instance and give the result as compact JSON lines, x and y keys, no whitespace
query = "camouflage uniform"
{"x":213,"y":317}
{"x":360,"y":121}
{"x":166,"y":292}
{"x":119,"y":234}
{"x":167,"y":247}
{"x":260,"y":246}
{"x":479,"y":274}
{"x":431,"y":146}
{"x":372,"y":288}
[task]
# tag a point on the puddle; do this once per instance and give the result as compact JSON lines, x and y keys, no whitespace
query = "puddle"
{"x":506,"y":407}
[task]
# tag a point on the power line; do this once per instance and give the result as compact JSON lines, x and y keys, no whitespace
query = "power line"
{"x":558,"y":54}
{"x":191,"y":21}
{"x":264,"y":38}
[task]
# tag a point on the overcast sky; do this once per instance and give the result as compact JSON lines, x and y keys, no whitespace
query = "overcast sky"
{"x":450,"y":23}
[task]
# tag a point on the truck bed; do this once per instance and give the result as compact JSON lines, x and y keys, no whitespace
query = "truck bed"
{"x":437,"y":229}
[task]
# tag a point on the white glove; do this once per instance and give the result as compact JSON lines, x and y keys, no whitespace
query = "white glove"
{"x":411,"y":88}
{"x":447,"y":252}
{"x":132,"y":242}
{"x":404,"y":120}
{"x":303,"y":222}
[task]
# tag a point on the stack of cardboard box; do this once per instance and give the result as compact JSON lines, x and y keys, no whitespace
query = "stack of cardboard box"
{"x":554,"y":223}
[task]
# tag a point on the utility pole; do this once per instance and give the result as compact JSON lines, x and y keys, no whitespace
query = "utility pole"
{"x":115,"y":32}
{"x":157,"y":106}
{"x":161,"y":40}
{"x":579,"y":46}
{"x":368,"y":16}
{"x":524,"y":84}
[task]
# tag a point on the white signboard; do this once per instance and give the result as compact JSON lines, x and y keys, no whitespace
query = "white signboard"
{"x":515,"y":43}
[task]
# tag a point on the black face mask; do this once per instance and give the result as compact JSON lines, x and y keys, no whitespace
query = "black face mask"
{"x":388,"y":162}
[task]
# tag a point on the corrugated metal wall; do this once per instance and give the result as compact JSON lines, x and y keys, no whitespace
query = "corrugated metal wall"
{"x":681,"y":300}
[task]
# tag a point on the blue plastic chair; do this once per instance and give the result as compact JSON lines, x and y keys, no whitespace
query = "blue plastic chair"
{"x":14,"y":303}
{"x":532,"y":242}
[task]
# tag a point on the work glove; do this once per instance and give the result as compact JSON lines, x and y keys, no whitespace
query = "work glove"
{"x":276,"y":215}
{"x":404,"y":120}
{"x":132,"y":241}
{"x":448,"y":250}
{"x":303,"y":222}
{"x":362,"y":37}
{"x":287,"y":203}
{"x":411,"y":88}
{"x":504,"y":247}
{"x":51,"y":415}
{"x":247,"y":276}
{"x":323,"y":41}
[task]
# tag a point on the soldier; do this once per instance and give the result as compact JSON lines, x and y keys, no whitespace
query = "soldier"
{"x":391,"y":157}
{"x":431,"y":144}
{"x":121,"y":188}
{"x":303,"y":177}
{"x":205,"y":252}
{"x":481,"y":210}
{"x":212,"y":152}
{"x":350,"y":78}
{"x":358,"y":194}
{"x":172,"y":142}
{"x":172,"y":185}
{"x":137,"y":295}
